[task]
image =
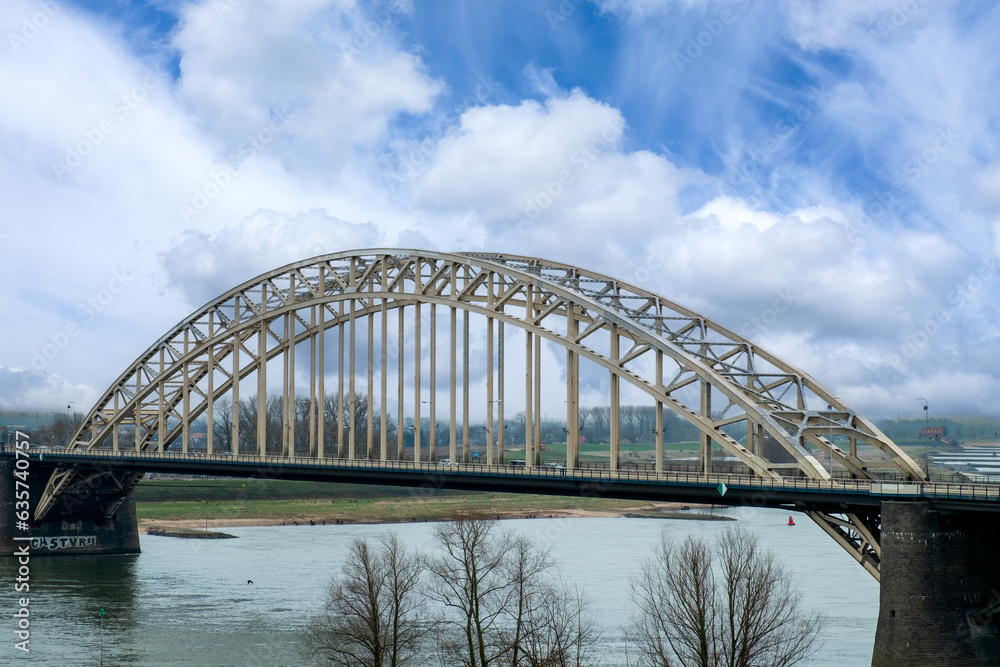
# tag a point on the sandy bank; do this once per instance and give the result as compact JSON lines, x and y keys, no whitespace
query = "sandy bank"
{"x":647,"y":510}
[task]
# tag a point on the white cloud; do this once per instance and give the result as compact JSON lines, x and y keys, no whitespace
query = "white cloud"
{"x":93,"y":154}
{"x":327,"y":63}
{"x":953,"y":392}
{"x":802,"y":289}
{"x":542,"y":80}
{"x":569,"y":191}
{"x":35,"y":390}
{"x":649,"y":8}
{"x":733,"y":269}
{"x":475,"y":166}
{"x":807,"y":284}
{"x":561,"y":178}
{"x":848,"y":23}
{"x":201,"y":266}
{"x":917,"y":107}
{"x":731,"y":213}
{"x":103,"y":159}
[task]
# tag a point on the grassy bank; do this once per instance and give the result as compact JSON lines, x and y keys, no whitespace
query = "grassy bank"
{"x":272,"y":501}
{"x":601,"y":451}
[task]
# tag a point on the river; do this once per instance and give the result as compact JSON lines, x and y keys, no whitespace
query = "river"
{"x":187,"y":602}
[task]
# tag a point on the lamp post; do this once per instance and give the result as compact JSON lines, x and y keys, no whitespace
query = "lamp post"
{"x":925,"y":411}
{"x":2,"y":431}
{"x":829,"y":407}
{"x":498,"y":430}
{"x":431,"y":439}
{"x":488,"y":439}
{"x":927,"y":467}
{"x":69,"y":414}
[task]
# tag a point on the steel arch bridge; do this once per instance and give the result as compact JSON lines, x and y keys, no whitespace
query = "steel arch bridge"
{"x":719,"y":382}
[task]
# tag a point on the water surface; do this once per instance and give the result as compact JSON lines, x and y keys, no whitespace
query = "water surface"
{"x":187,"y":602}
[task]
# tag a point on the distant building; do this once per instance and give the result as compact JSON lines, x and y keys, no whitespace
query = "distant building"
{"x":932,"y":432}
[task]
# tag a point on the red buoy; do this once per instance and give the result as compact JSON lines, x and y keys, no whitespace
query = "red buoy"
{"x":790,"y":521}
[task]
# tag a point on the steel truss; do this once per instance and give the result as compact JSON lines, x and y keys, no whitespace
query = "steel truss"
{"x":711,"y":377}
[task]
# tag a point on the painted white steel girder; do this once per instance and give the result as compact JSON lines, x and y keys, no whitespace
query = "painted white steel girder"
{"x":620,"y":327}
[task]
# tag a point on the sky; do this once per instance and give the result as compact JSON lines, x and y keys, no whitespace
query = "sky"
{"x":823,"y":178}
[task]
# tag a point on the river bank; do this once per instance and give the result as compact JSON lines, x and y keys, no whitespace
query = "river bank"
{"x":201,"y":504}
{"x":428,"y":513}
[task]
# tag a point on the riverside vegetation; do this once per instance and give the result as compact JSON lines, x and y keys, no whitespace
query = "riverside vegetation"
{"x":219,"y":502}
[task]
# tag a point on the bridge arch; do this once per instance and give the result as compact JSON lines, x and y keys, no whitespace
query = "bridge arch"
{"x":703,"y":372}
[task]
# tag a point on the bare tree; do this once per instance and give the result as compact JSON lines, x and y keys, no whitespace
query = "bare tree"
{"x":675,"y":593}
{"x":765,"y":624}
{"x":334,"y":415}
{"x":223,"y":427}
{"x":373,"y":615}
{"x":742,"y":613}
{"x":628,"y":418}
{"x":600,"y":420}
{"x":505,"y":606}
{"x":305,"y":426}
{"x":561,"y":631}
{"x":518,"y":423}
{"x":470,"y":581}
{"x":523,"y":568}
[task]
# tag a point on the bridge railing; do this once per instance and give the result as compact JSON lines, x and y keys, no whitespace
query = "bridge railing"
{"x":726,"y":467}
{"x":596,"y":475}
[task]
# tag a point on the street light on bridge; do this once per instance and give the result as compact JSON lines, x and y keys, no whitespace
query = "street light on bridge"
{"x":926,"y":425}
{"x":927,"y":463}
{"x":829,"y":407}
{"x":69,"y":414}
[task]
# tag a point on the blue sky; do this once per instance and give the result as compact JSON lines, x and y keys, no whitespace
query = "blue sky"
{"x":840,"y":160}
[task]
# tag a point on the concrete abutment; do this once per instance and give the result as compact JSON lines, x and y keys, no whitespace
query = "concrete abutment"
{"x":940,"y":587}
{"x":65,"y":536}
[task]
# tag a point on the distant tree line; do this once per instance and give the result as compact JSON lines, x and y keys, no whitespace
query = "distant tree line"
{"x":301,"y":421}
{"x":637,"y":424}
{"x":55,"y":432}
{"x":955,"y":429}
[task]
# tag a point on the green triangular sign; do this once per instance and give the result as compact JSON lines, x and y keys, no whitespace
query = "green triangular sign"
{"x":101,"y":612}
{"x":722,"y":489}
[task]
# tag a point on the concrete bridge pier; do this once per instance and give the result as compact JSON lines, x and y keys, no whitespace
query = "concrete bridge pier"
{"x":940,"y":587}
{"x":66,"y":534}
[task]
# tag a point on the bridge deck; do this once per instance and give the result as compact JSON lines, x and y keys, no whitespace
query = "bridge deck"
{"x":719,"y":489}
